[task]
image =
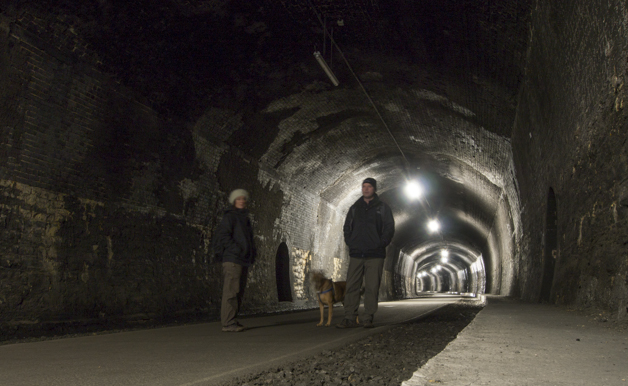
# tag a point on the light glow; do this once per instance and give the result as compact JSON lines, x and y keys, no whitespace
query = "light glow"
{"x":444,"y":255}
{"x":433,"y":226}
{"x":413,"y":190}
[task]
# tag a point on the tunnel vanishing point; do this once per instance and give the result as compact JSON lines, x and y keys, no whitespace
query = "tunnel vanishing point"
{"x":124,"y":125}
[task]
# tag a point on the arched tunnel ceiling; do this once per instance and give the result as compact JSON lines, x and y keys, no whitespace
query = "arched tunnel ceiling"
{"x":470,"y":51}
{"x":184,"y":55}
{"x":461,"y":255}
{"x":461,"y":165}
{"x":335,"y":135}
{"x":444,"y":74}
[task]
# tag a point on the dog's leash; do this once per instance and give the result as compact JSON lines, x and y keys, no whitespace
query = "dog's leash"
{"x":324,"y":292}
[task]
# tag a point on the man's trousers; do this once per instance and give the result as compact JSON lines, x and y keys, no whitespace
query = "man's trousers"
{"x":371,"y":270}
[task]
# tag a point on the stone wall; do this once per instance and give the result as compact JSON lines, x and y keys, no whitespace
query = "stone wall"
{"x":571,"y":135}
{"x":107,"y":207}
{"x":97,"y":196}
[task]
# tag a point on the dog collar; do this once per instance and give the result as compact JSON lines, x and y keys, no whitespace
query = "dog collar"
{"x":324,"y":292}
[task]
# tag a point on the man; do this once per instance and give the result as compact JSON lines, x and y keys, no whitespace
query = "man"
{"x":368,"y":229}
{"x":234,"y":246}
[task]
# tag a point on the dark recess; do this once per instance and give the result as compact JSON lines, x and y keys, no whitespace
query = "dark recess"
{"x":550,"y":252}
{"x":282,"y":269}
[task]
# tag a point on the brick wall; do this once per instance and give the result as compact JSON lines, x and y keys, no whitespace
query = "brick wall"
{"x":107,"y":207}
{"x":90,"y":230}
{"x":570,"y":135}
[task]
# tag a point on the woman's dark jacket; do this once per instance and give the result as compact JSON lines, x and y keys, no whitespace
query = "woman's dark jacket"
{"x":233,"y":239}
{"x":369,"y":228}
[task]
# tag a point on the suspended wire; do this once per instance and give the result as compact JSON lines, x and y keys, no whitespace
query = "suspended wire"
{"x":342,"y":55}
{"x":407,"y":163}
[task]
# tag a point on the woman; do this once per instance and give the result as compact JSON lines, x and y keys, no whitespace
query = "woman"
{"x":234,"y":245}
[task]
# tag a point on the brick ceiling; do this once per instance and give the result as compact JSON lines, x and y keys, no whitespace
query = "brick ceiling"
{"x":444,"y":74}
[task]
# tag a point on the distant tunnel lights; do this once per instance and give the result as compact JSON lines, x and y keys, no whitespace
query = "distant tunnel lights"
{"x":444,"y":255}
{"x":413,"y":190}
{"x":325,"y":67}
{"x":433,"y":226}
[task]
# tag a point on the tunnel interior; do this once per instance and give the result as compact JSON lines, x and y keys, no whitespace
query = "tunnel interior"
{"x":125,"y":125}
{"x":551,"y":246}
{"x":284,"y":292}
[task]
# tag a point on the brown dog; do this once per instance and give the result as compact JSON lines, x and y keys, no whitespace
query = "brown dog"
{"x":328,"y":292}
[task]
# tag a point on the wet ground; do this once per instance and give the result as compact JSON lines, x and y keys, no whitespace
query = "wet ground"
{"x":197,"y":354}
{"x":417,"y":341}
{"x":387,"y":358}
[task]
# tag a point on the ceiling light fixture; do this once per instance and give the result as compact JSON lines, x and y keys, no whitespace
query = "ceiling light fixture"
{"x":325,"y":67}
{"x":368,"y":96}
{"x":413,"y":190}
{"x":433,"y":226}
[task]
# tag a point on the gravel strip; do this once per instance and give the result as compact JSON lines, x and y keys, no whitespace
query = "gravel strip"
{"x":386,"y":358}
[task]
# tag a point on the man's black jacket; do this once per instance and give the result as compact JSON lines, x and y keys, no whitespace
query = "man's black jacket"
{"x":233,"y":240}
{"x":369,"y":228}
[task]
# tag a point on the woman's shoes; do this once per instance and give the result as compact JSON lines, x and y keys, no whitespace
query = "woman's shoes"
{"x":236,"y":327}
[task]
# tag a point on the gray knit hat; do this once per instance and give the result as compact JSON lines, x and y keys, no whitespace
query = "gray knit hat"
{"x":238,"y":193}
{"x":371,"y":181}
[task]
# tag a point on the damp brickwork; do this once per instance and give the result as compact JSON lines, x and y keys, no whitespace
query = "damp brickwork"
{"x":570,"y":135}
{"x":94,"y":224}
{"x":125,"y":126}
{"x":110,"y":127}
{"x":311,"y":141}
{"x":329,"y":143}
{"x":501,"y":242}
{"x":108,"y":208}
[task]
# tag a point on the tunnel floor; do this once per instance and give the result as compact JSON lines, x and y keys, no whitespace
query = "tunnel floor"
{"x":511,"y":342}
{"x":386,"y":358}
{"x":417,"y":342}
{"x":195,"y":354}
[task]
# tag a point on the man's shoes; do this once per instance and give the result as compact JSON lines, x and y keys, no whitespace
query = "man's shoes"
{"x":236,"y":327}
{"x":347,"y":323}
{"x":368,"y":324}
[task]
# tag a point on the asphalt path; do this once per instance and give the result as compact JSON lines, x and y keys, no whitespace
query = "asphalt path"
{"x":191,"y":355}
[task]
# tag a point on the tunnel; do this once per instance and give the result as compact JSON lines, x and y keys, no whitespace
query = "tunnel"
{"x":125,"y":126}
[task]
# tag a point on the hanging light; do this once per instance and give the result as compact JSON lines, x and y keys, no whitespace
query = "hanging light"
{"x":325,"y":67}
{"x":413,"y":190}
{"x":433,"y":226}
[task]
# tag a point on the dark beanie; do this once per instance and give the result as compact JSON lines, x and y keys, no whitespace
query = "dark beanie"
{"x":370,"y":181}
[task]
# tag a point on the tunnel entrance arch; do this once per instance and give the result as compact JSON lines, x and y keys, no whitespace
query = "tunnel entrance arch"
{"x":282,"y":273}
{"x":550,"y":251}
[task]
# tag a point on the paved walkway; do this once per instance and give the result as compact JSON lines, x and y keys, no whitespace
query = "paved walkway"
{"x":515,"y":343}
{"x":191,"y":355}
{"x":508,"y":343}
